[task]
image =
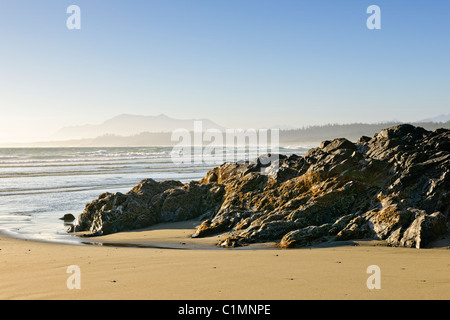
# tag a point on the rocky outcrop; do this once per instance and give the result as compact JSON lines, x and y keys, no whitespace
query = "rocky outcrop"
{"x":394,"y":187}
{"x":148,"y":203}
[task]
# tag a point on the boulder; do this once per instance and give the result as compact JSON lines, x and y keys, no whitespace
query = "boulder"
{"x":68,"y":217}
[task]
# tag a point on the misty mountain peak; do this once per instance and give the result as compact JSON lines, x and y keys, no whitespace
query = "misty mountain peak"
{"x":129,"y":124}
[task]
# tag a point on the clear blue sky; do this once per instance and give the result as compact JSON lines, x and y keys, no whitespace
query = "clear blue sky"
{"x":241,"y":63}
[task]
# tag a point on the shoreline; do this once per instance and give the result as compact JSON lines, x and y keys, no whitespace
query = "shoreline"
{"x":169,"y":235}
{"x":177,"y":235}
{"x":38,"y":270}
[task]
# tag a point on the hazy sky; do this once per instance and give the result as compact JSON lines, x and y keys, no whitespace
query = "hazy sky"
{"x":241,"y":63}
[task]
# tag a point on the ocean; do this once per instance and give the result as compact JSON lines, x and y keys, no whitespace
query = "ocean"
{"x":38,"y":186}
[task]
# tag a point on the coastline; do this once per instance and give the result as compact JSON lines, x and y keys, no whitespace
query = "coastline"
{"x":38,"y":270}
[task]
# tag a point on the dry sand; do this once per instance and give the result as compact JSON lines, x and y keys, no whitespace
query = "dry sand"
{"x":199,"y":270}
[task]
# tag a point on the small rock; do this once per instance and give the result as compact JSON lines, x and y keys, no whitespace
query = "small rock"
{"x":68,"y":217}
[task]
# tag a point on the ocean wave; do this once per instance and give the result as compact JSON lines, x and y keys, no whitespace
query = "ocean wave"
{"x":96,"y":156}
{"x":75,"y":161}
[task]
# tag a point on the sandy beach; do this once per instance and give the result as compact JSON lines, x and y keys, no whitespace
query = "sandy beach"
{"x":186,"y":269}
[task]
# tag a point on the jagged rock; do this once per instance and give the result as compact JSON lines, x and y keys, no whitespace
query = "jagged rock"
{"x":424,"y":229}
{"x":393,"y":186}
{"x":305,"y":236}
{"x":148,"y":203}
{"x":231,"y":242}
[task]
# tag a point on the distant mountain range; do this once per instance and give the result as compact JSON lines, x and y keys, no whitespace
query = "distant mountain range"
{"x":440,"y":119}
{"x":127,"y":125}
{"x":135,"y":131}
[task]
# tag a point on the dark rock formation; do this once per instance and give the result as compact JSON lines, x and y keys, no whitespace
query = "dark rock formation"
{"x":68,"y":217}
{"x":148,"y":203}
{"x":394,"y":187}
